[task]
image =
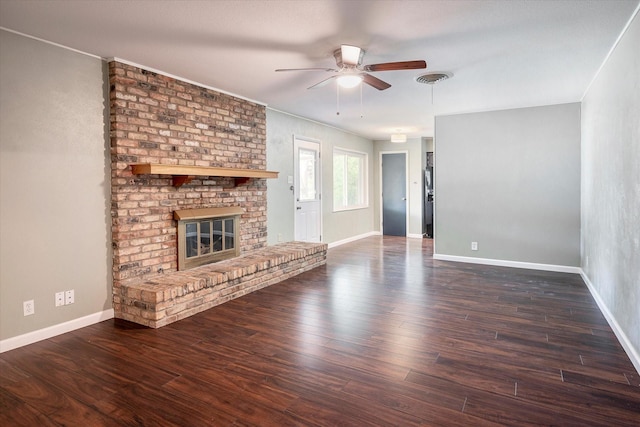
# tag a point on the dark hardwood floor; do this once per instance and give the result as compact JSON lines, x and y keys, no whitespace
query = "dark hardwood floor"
{"x":381,"y":335}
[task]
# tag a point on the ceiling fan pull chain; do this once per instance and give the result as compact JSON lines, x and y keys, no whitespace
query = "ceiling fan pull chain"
{"x":337,"y":100}
{"x":361,"y":112}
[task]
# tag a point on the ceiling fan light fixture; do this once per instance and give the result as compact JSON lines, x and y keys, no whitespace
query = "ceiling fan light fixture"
{"x":348,"y":81}
{"x":350,"y":54}
{"x":398,"y":138}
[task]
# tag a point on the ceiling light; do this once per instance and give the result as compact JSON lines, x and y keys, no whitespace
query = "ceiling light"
{"x":349,"y":80}
{"x":350,"y":54}
{"x":398,"y":138}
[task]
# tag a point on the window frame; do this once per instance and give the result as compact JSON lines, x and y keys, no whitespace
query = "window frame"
{"x":364,"y":179}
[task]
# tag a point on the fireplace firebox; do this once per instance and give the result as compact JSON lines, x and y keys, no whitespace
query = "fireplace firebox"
{"x":207,"y":235}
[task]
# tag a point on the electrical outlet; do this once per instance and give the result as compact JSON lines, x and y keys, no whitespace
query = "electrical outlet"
{"x":69,"y":297}
{"x":279,"y":237}
{"x":474,"y":246}
{"x":59,"y":299}
{"x":29,"y":307}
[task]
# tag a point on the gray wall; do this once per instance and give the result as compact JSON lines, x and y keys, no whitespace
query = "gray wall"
{"x":281,"y":128}
{"x":509,"y":180}
{"x":611,"y":185}
{"x":54,"y":192}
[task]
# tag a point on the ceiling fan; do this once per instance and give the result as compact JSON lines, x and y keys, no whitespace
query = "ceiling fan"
{"x":351,"y":71}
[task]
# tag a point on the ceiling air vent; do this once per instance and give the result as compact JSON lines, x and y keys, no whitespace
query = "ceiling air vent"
{"x":433,"y":78}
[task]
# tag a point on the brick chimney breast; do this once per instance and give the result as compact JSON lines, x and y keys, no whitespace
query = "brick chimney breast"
{"x":161,"y":120}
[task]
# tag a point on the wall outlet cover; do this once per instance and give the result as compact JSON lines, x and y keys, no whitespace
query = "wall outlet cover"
{"x":59,"y":299}
{"x":474,"y":246}
{"x":69,"y":297}
{"x":29,"y":307}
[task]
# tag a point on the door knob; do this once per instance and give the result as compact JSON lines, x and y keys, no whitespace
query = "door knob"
{"x":404,"y":198}
{"x":299,"y":207}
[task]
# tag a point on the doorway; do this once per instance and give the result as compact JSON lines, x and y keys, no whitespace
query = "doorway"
{"x":393,"y":167}
{"x":307,"y":190}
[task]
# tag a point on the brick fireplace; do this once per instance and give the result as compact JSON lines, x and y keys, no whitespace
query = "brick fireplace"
{"x":157,"y":119}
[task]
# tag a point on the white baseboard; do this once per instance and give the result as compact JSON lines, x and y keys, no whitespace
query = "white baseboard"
{"x":414,"y":236}
{"x":631,"y":351}
{"x":52,"y":331}
{"x":353,"y":239}
{"x":506,"y":263}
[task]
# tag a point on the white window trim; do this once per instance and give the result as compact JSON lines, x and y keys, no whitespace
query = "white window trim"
{"x":365,"y":179}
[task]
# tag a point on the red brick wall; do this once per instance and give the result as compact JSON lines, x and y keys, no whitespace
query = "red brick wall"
{"x":158,"y":119}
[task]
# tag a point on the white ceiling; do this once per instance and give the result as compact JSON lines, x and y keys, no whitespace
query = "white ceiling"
{"x":503,"y":54}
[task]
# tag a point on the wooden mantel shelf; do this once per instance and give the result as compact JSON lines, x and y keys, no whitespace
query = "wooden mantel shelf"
{"x":184,"y":174}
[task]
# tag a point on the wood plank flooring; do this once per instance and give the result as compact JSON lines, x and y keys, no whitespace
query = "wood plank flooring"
{"x":382,"y":335}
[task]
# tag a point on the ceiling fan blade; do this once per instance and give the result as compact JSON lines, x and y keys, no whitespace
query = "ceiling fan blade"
{"x":306,"y":69}
{"x":375,"y":82}
{"x":322,"y":83}
{"x":390,"y":66}
{"x":351,"y":55}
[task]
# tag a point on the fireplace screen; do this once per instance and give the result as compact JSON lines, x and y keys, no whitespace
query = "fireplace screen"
{"x":208,"y":236}
{"x":206,"y":240}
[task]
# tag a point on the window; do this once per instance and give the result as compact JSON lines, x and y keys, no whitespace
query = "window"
{"x":307,"y":165}
{"x":349,"y":180}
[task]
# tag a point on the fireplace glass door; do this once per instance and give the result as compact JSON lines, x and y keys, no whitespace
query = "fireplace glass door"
{"x":206,"y":240}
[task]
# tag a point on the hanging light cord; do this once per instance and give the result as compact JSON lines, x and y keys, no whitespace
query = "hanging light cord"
{"x":361,"y":112}
{"x":338,"y":101}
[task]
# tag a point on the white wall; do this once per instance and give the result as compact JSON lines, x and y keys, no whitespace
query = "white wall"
{"x":509,"y":180}
{"x":54,"y":185}
{"x":337,"y":226}
{"x":611,"y":188}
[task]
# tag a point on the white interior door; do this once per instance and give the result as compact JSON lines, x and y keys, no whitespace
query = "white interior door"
{"x":308,"y":218}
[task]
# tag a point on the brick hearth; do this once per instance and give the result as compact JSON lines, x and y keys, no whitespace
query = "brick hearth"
{"x":168,"y":298}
